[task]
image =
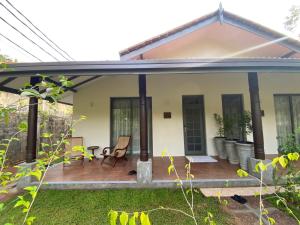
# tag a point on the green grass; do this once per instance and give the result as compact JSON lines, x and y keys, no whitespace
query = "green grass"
{"x":72,"y":207}
{"x":295,"y":207}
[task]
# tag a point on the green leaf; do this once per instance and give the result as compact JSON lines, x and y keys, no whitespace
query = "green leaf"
{"x":278,"y":202}
{"x":31,"y":188}
{"x":275,"y":161}
{"x":293,"y":156}
{"x":82,"y":117}
{"x":242,"y":173}
{"x":1,"y":206}
{"x":132,"y":221}
{"x":260,"y":167}
{"x":283,"y":161}
{"x":256,"y":193}
{"x":3,"y":192}
{"x":22,"y":202}
{"x":113,"y":216}
{"x":78,"y":148}
{"x":144,"y":218}
{"x":296,"y":156}
{"x":32,"y":191}
{"x":22,"y":126}
{"x":170,"y":169}
{"x":30,"y":93}
{"x":19,"y":202}
{"x":124,"y":218}
{"x":189,"y":190}
{"x":37,"y":174}
{"x":30,"y":220}
{"x":46,"y":135}
{"x":271,"y":220}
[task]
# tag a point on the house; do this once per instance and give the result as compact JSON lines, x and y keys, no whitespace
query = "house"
{"x":165,"y":90}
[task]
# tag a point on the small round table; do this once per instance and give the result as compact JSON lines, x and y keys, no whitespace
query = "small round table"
{"x":93,"y":148}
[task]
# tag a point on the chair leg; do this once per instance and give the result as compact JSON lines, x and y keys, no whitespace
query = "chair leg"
{"x":102,"y":161}
{"x":115,"y":162}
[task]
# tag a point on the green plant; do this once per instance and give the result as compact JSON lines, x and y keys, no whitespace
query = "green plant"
{"x":50,"y":150}
{"x":288,"y":183}
{"x":229,"y":125}
{"x":188,"y":194}
{"x":220,"y":124}
{"x":291,"y":180}
{"x":289,"y":144}
{"x":245,"y":123}
{"x":282,"y":161}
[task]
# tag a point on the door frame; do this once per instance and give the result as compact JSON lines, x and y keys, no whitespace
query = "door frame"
{"x":242,"y":108}
{"x":150,"y":140}
{"x":204,"y":145}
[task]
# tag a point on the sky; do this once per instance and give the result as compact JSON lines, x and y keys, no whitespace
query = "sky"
{"x":97,"y":30}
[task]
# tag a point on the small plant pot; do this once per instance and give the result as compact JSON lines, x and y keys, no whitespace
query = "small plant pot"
{"x":231,"y":151}
{"x":245,"y":151}
{"x":219,"y":145}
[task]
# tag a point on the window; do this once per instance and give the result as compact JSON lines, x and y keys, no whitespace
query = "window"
{"x":125,"y":120}
{"x":287,"y":111}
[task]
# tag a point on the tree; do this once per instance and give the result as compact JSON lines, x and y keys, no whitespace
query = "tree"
{"x":4,"y":58}
{"x":292,"y":20}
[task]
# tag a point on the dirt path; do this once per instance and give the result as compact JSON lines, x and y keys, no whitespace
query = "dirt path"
{"x":248,"y":214}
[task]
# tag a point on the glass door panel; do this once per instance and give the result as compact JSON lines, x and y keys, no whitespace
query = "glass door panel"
{"x":125,"y":120}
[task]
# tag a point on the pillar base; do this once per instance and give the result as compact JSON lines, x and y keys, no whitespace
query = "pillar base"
{"x":268,"y":175}
{"x":144,"y":171}
{"x":25,"y":180}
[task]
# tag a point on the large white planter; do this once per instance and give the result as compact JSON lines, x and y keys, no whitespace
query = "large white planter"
{"x":245,"y":151}
{"x":219,"y":145}
{"x":231,"y":151}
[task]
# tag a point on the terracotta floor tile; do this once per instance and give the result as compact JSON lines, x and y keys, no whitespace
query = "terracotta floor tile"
{"x":93,"y":171}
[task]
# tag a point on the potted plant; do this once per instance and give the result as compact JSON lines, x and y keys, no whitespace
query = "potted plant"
{"x":245,"y":148}
{"x":229,"y":142}
{"x":218,"y":140}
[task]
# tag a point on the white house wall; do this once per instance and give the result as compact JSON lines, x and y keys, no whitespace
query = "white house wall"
{"x":166,"y":91}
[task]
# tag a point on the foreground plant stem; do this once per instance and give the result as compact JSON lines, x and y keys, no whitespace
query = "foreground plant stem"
{"x":6,"y":150}
{"x":182,"y":189}
{"x":282,"y":200}
{"x":43,"y":177}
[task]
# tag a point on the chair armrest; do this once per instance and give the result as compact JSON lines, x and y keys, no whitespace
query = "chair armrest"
{"x":118,"y":150}
{"x":104,"y":151}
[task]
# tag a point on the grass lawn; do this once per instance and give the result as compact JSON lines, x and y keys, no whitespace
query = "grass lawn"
{"x":295,"y":207}
{"x":72,"y":207}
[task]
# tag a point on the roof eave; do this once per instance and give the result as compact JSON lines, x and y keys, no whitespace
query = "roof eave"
{"x":221,"y":16}
{"x":153,"y":67}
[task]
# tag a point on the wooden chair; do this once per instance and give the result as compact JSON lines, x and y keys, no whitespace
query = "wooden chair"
{"x":118,"y":151}
{"x":71,"y":153}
